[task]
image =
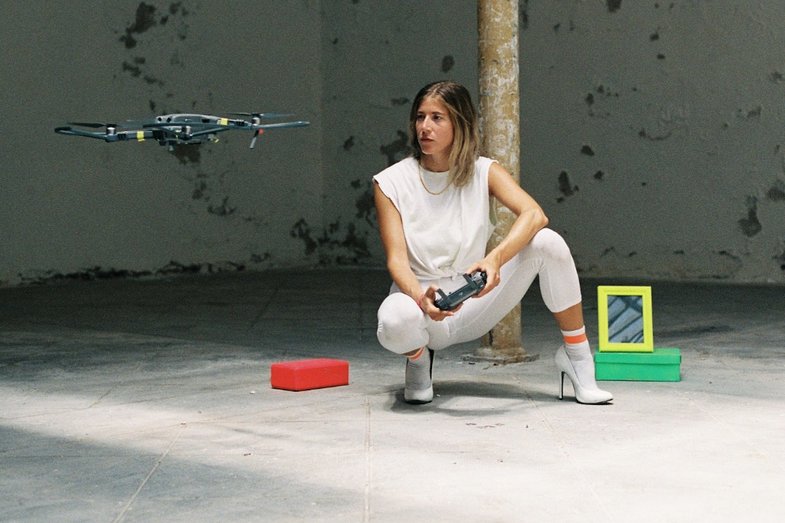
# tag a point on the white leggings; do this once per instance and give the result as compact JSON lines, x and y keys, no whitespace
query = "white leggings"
{"x":403,"y":327}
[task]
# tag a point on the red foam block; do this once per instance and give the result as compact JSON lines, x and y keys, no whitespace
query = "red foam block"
{"x":309,"y":374}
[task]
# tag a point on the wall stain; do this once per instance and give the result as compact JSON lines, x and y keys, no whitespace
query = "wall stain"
{"x":523,"y":14}
{"x":399,"y":101}
{"x":397,"y":149}
{"x":643,"y":133}
{"x":570,"y":28}
{"x":365,"y":205}
{"x":592,"y":97}
{"x":136,"y":72}
{"x":172,"y":268}
{"x":781,"y":258}
{"x":448,"y":62}
{"x":599,"y":175}
{"x":749,"y":114}
{"x":204,"y":190}
{"x":200,"y":188}
{"x":187,"y":153}
{"x":566,"y":187}
{"x":589,"y":99}
{"x":587,"y":150}
{"x":777,"y":192}
{"x":302,"y":231}
{"x":145,"y":20}
{"x":336,"y":244}
{"x":348,"y":143}
{"x":221,"y":210}
{"x":696,"y":330}
{"x":613,"y":5}
{"x":750,"y":225}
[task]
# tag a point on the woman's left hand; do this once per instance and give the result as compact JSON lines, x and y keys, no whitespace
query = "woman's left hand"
{"x":491,"y":265}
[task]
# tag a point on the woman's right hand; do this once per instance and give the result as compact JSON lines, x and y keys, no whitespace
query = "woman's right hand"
{"x":435,"y":313}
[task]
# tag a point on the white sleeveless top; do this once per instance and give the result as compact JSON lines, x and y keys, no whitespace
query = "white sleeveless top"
{"x":447,"y":232}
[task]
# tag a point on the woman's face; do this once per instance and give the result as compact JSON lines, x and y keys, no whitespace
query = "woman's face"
{"x":434,"y":129}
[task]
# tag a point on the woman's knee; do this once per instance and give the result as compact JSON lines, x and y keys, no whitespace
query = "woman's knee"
{"x":400,"y":324}
{"x":549,"y":244}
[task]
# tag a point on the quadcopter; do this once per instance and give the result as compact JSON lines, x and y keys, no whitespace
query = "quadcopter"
{"x":179,"y":129}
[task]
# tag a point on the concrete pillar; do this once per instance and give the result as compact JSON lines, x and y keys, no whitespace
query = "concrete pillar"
{"x":499,"y":106}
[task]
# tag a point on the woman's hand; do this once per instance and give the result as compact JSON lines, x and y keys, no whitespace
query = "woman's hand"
{"x":435,"y":313}
{"x":491,"y":265}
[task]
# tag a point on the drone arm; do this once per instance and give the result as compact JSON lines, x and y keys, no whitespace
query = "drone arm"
{"x":210,"y":130}
{"x":79,"y":132}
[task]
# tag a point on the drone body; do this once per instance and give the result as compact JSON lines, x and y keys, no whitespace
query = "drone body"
{"x":179,"y":129}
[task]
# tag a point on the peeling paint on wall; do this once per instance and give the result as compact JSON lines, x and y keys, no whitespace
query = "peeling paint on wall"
{"x":365,"y":205}
{"x":342,"y":243}
{"x":146,"y":18}
{"x":172,"y":268}
{"x":336,"y":244}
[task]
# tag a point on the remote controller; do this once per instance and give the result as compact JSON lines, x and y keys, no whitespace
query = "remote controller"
{"x":474,"y":284}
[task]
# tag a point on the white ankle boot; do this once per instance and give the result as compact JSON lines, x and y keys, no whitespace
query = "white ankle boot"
{"x":419,"y":382}
{"x":580,"y":370}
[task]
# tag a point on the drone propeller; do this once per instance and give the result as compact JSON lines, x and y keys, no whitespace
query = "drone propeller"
{"x":94,"y":125}
{"x":264,"y":115}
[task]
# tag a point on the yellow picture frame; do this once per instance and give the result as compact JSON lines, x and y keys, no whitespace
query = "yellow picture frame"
{"x":625,"y":319}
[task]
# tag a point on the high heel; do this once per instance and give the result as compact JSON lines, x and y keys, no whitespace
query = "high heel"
{"x":582,"y":378}
{"x":418,"y":388}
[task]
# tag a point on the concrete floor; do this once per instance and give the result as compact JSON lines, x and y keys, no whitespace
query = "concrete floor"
{"x":132,"y":400}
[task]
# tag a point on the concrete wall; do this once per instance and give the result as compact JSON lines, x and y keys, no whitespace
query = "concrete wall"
{"x":653,"y":135}
{"x":651,"y":131}
{"x":376,"y":56}
{"x":75,"y":207}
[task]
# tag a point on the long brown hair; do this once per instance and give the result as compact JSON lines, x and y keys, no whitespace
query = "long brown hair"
{"x":466,"y":135}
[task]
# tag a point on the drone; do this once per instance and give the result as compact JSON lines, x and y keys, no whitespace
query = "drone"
{"x":179,"y":129}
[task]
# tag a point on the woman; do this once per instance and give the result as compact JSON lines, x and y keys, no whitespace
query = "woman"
{"x":435,"y":220}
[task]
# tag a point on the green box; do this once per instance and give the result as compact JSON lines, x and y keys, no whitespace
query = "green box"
{"x":659,"y":365}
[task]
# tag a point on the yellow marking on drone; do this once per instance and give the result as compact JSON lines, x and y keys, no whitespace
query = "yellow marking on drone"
{"x":140,"y":136}
{"x":223,"y":121}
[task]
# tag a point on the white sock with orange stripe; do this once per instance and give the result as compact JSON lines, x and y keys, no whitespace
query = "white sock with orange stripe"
{"x":576,"y":343}
{"x":417,"y":355}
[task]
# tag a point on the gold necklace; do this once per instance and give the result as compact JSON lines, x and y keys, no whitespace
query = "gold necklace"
{"x":422,"y":181}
